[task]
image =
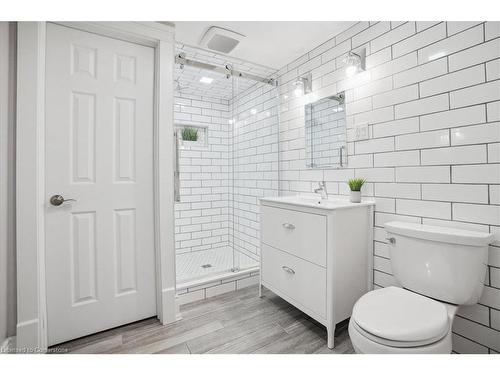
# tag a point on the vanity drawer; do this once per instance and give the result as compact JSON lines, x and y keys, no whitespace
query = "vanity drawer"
{"x":296,"y":278}
{"x":298,"y":233}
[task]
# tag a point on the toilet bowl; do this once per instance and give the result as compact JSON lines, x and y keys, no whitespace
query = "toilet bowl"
{"x":438,"y":269}
{"x":394,"y":320}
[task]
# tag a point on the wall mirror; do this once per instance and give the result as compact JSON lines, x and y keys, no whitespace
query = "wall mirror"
{"x":325,"y":124}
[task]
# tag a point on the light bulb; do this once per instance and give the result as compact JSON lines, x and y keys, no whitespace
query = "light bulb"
{"x":206,"y":80}
{"x":351,"y":70}
{"x":299,"y":89}
{"x":353,"y":64}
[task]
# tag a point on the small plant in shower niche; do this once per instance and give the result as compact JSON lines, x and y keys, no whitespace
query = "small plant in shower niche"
{"x":355,"y":184}
{"x":190,"y":134}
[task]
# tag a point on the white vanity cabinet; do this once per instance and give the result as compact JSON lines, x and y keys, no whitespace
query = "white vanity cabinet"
{"x":316,"y":254}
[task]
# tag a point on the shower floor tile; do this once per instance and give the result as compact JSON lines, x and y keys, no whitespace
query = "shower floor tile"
{"x":198,"y":264}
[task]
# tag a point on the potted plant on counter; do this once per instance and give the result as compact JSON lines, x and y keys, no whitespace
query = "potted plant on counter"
{"x":355,"y":185}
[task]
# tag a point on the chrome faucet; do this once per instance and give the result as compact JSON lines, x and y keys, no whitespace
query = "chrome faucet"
{"x":322,"y":190}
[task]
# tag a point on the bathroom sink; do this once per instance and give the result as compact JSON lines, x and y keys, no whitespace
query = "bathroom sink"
{"x":317,"y":202}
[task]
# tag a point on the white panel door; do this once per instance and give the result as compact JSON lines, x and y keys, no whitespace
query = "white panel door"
{"x":100,"y":257}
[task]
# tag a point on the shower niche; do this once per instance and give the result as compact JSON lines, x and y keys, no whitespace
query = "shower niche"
{"x":192,"y":136}
{"x":325,"y":130}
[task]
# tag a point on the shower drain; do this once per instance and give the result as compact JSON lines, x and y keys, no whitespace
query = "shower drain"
{"x":206,"y":266}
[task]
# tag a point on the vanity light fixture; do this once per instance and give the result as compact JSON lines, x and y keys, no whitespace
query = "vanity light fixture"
{"x":355,"y":62}
{"x":303,"y":85}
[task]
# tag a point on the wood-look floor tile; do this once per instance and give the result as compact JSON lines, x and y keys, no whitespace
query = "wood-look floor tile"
{"x":342,"y":346}
{"x":154,"y":346}
{"x":303,"y":343}
{"x":140,"y":325}
{"x":177,"y":349}
{"x":220,"y":337}
{"x":252,"y":341}
{"x":235,"y":322}
{"x":101,"y":346}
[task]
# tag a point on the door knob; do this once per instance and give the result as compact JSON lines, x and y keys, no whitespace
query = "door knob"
{"x":57,"y":200}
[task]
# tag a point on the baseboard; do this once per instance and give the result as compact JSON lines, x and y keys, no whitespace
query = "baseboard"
{"x":8,"y":345}
{"x":27,"y":336}
{"x":169,"y":308}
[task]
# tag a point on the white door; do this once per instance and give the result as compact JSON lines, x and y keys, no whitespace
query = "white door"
{"x":100,"y":259}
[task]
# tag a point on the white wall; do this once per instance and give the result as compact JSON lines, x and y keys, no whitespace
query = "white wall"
{"x":431,"y":96}
{"x":7,"y":177}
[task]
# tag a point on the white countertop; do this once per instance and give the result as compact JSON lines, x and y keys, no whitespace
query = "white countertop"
{"x":313,"y":202}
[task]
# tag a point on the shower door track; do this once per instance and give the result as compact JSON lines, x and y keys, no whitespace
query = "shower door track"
{"x":226,"y":70}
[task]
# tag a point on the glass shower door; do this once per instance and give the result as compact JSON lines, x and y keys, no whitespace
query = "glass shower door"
{"x":254,"y":163}
{"x":203,"y":228}
{"x":227,"y":134}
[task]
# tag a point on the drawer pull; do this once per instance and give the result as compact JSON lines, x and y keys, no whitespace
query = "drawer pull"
{"x":288,"y":269}
{"x":288,"y":226}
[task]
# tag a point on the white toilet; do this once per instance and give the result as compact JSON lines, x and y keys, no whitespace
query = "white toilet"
{"x":439,"y":268}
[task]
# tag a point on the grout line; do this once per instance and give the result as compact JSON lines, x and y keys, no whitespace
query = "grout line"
{"x":469,"y":339}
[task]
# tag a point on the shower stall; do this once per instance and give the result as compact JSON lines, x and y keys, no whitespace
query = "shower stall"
{"x":226,"y":133}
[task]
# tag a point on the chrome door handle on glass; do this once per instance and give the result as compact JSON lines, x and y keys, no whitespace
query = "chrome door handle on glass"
{"x":177,"y":183}
{"x":288,"y":226}
{"x":341,"y":156}
{"x":57,"y":200}
{"x":288,"y":269}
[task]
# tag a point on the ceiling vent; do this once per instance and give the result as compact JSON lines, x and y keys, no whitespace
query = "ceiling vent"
{"x":220,"y":40}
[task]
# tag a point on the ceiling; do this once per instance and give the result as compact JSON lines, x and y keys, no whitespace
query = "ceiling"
{"x":271,"y":44}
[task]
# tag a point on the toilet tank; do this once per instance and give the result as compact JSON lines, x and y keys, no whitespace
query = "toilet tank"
{"x":446,"y":264}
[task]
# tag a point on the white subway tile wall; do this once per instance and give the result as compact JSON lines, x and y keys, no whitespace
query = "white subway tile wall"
{"x":431,"y":96}
{"x":202,"y":216}
{"x":210,"y":289}
{"x":255,"y":161}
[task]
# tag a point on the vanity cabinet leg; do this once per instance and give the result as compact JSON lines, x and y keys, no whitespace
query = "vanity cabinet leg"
{"x":260,"y":290}
{"x":331,"y":337}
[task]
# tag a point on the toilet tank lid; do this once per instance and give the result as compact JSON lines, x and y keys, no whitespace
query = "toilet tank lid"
{"x":440,"y":234}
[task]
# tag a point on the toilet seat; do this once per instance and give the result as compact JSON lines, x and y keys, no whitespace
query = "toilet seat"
{"x":399,"y":318}
{"x":363,"y":344}
{"x":392,"y":343}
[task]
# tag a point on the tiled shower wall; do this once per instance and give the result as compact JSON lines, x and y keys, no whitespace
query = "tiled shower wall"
{"x":431,"y":96}
{"x":255,"y":161}
{"x":202,"y":215}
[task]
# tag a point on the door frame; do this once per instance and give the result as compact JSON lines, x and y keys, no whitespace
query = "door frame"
{"x":31,"y":199}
